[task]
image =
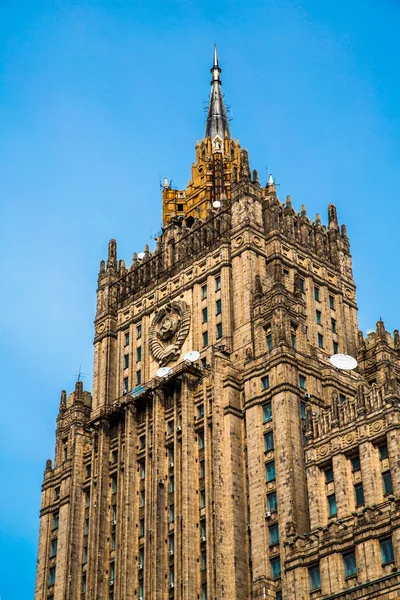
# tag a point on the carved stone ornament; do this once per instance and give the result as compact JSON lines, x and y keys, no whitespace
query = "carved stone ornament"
{"x":169,"y":330}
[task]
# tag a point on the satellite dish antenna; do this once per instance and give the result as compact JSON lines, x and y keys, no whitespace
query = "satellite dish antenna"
{"x":192,"y":356}
{"x":216,"y":203}
{"x":343,"y":361}
{"x":140,"y":255}
{"x":164,"y":371}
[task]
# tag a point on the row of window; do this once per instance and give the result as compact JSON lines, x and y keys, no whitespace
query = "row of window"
{"x":218,"y":311}
{"x":138,"y":335}
{"x":204,"y":287}
{"x":138,"y":357}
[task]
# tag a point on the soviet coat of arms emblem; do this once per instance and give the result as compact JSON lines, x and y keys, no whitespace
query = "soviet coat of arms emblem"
{"x":168,"y":331}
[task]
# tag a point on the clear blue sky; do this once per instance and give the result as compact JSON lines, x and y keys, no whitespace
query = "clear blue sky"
{"x":98,"y":100}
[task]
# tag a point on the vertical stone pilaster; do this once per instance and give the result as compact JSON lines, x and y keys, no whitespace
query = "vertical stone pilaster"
{"x":129,"y":537}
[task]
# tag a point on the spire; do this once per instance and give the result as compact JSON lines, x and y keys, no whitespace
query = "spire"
{"x":217,"y":120}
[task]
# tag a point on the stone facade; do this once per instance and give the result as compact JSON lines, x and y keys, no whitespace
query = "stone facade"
{"x":258,"y":471}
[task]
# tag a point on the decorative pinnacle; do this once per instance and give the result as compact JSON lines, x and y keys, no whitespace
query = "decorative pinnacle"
{"x":215,"y":57}
{"x":217,"y":119}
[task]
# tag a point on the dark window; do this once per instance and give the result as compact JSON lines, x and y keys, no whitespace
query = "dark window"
{"x":387,"y":483}
{"x":203,"y":560}
{"x":87,"y":526}
{"x":203,"y":528}
{"x":52,"y":575}
{"x":142,"y":498}
{"x":318,"y":316}
{"x":335,"y":348}
{"x":138,"y":332}
{"x":359,"y":493}
{"x":293,"y":340}
{"x":171,"y":513}
{"x":278,"y":595}
{"x":126,"y":383}
{"x":269,"y":342}
{"x":139,"y":354}
{"x":85,"y":555}
{"x":203,"y":362}
{"x":333,"y":324}
{"x":201,"y":440}
{"x":202,"y":498}
{"x":350,"y":566}
{"x":302,"y":382}
{"x":267,"y":411}
{"x":56,"y":493}
{"x":204,"y":313}
{"x":170,"y":426}
{"x":200,"y":411}
{"x":205,"y":338}
{"x":141,"y":527}
{"x":301,"y":285}
{"x":320,"y":340}
{"x":219,"y":331}
{"x":202,"y":469}
{"x":332,"y":510}
{"x":142,"y":442}
{"x":217,"y":283}
{"x":342,"y":398}
{"x":87,"y":498}
{"x":314,"y":576}
{"x":332,"y":302}
{"x":270,"y":474}
{"x":265,"y":382}
{"x":387,"y":550}
{"x":203,"y":292}
{"x":355,"y":463}
{"x":268,"y":441}
{"x":303,"y":410}
{"x":218,"y":306}
{"x":328,"y":474}
{"x":138,"y":377}
{"x":274,"y":534}
{"x":275,"y":567}
{"x":272,"y":502}
{"x":83,"y":589}
{"x":127,"y":339}
{"x":114,"y":485}
{"x":126,"y":361}
{"x":55,"y":521}
{"x":180,"y":207}
{"x":53,"y":548}
{"x":383,"y":451}
{"x":114,"y":457}
{"x":204,"y":591}
{"x":316,"y":294}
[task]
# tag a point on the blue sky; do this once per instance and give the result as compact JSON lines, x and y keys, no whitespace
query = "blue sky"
{"x":98,"y":99}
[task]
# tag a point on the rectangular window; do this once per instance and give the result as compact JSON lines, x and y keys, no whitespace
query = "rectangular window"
{"x":139,"y":354}
{"x":114,"y":457}
{"x":87,"y":499}
{"x":275,"y":567}
{"x":268,"y":441}
{"x":126,"y":384}
{"x":328,"y":474}
{"x":138,"y":377}
{"x":316,"y":294}
{"x":278,"y":595}
{"x":142,"y":470}
{"x":217,"y":284}
{"x":114,"y":485}
{"x":314,"y":577}
{"x":274,"y":534}
{"x":318,"y":316}
{"x":88,"y":471}
{"x":141,"y":557}
{"x":320,"y":340}
{"x":200,"y":411}
{"x":114,"y":512}
{"x":301,"y":285}
{"x":350,"y":565}
{"x":355,"y":463}
{"x":83,"y":589}
{"x":387,"y":483}
{"x":56,"y":493}
{"x":332,"y":302}
{"x":332,"y":510}
{"x":383,"y":451}
{"x":265,"y":382}
{"x":302,"y":382}
{"x":113,"y":538}
{"x":85,"y":555}
{"x":219,"y":331}
{"x":303,"y":413}
{"x":87,"y":526}
{"x":204,"y":314}
{"x":202,"y":469}
{"x":205,"y":339}
{"x":202,"y":498}
{"x":218,"y":306}
{"x":138,"y":332}
{"x":171,"y":513}
{"x":142,"y":442}
{"x":335,"y":348}
{"x":342,"y":398}
{"x":142,"y":497}
{"x":55,"y":521}
{"x":201,"y":440}
{"x":272,"y":502}
{"x":204,"y":591}
{"x":141,"y":588}
{"x":269,"y":342}
{"x":171,"y":544}
{"x":267,"y":411}
{"x":126,"y":339}
{"x":203,"y":292}
{"x":270,"y":474}
{"x":141,"y":527}
{"x":203,"y":560}
{"x":293,"y":340}
{"x":112,"y":571}
{"x":126,"y":361}
{"x":170,"y":426}
{"x":333,"y":325}
{"x":171,"y":457}
{"x":387,"y":551}
{"x":203,"y":528}
{"x":203,"y":362}
{"x":53,"y":548}
{"x":52,"y":575}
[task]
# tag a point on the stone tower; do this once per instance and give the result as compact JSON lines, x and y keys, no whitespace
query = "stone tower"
{"x":258,"y":470}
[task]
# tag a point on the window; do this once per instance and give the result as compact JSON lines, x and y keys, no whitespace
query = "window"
{"x":355,"y":463}
{"x":142,"y":470}
{"x":141,"y":588}
{"x":265,"y":382}
{"x":113,"y":539}
{"x":270,"y":471}
{"x":114,"y":512}
{"x":88,"y":471}
{"x":170,"y":426}
{"x":316,"y":294}
{"x":138,"y":332}
{"x":314,"y":577}
{"x":204,"y":591}
{"x":202,"y":498}
{"x":218,"y":306}
{"x":293,"y":340}
{"x":141,"y":557}
{"x":333,"y":325}
{"x":320,"y":340}
{"x":302,"y":382}
{"x":387,"y":550}
{"x":126,"y":383}
{"x":274,"y":534}
{"x":180,"y":207}
{"x":65,"y":449}
{"x":350,"y":566}
{"x":112,"y":571}
{"x":126,"y":361}
{"x":203,"y":292}
{"x":111,"y":595}
{"x":268,"y":441}
{"x":142,"y":497}
{"x":171,"y":457}
{"x":332,"y":510}
{"x":335,"y":348}
{"x":138,"y":353}
{"x":387,"y":483}
{"x":318,"y":316}
{"x":204,"y":313}
{"x":219,"y":331}
{"x":272,"y":502}
{"x":205,"y":338}
{"x":267,"y":411}
{"x":56,"y":493}
{"x":200,"y":411}
{"x":202,"y":469}
{"x":342,"y":398}
{"x":85,"y":555}
{"x":142,"y":442}
{"x":217,"y":284}
{"x":301,"y":285}
{"x":269,"y":342}
{"x":114,"y":457}
{"x":275,"y":567}
{"x":55,"y":521}
{"x":278,"y":595}
{"x":138,"y":377}
{"x":87,"y":498}
{"x":201,"y":440}
{"x":87,"y":526}
{"x":53,"y":548}
{"x":52,"y":575}
{"x":383,"y":451}
{"x":114,"y":485}
{"x":141,"y":527}
{"x":171,"y":513}
{"x":328,"y":474}
{"x":203,"y":560}
{"x":332,"y":302}
{"x":126,"y":339}
{"x":171,"y":576}
{"x":303,"y":413}
{"x":171,"y":544}
{"x":83,"y":589}
{"x":203,"y":362}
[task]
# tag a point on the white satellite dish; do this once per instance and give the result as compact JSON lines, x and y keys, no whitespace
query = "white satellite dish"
{"x":140,"y":255}
{"x":164,"y":371}
{"x":192,"y":356}
{"x":216,"y":204}
{"x":343,"y":361}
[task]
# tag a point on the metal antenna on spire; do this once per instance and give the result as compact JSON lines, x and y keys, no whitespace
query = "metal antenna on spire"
{"x":79,"y":374}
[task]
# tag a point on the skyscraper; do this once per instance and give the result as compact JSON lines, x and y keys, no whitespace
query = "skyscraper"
{"x":221,"y":454}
